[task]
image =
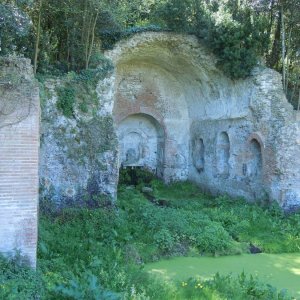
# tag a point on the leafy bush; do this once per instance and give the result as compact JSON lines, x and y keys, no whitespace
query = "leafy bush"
{"x":18,"y":281}
{"x":84,"y":287}
{"x":238,"y":42}
{"x":227,"y":287}
{"x":66,"y":100}
{"x":237,"y":38}
{"x":135,"y":176}
{"x":111,"y":37}
{"x":214,"y":238}
{"x":14,"y":28}
{"x":164,"y":240}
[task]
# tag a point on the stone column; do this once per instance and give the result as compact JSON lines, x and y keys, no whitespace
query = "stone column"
{"x":19,"y":156}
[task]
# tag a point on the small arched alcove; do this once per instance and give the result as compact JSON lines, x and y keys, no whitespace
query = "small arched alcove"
{"x":141,"y":143}
{"x":255,"y":164}
{"x":223,"y":154}
{"x":198,"y":150}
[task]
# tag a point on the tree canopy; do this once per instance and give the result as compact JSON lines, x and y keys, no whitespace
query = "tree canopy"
{"x":64,"y":35}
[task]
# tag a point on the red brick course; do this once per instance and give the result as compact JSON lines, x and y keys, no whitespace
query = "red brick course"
{"x":19,"y":158}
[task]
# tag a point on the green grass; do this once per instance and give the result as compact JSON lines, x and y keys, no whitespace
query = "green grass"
{"x":100,"y":253}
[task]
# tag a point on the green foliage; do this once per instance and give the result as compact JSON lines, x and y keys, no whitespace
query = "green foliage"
{"x":135,"y":176}
{"x":84,"y":287}
{"x":238,"y":32}
{"x":99,"y":253}
{"x":110,"y":38}
{"x":78,"y":90}
{"x":238,"y":42}
{"x":176,"y":15}
{"x":236,"y":37}
{"x":66,"y":100}
{"x":165,"y":240}
{"x":14,"y":29}
{"x":18,"y":281}
{"x":227,"y":287}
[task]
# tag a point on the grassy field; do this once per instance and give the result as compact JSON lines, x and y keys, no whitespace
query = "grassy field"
{"x":101,"y":253}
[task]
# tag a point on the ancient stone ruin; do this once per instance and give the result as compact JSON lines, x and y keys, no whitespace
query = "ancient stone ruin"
{"x":164,"y":106}
{"x":19,"y":151}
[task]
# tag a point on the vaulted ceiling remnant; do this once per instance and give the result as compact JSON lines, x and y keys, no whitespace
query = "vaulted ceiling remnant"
{"x":174,"y":79}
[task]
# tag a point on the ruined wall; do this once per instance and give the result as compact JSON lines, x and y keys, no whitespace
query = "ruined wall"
{"x":164,"y":105}
{"x":19,"y":150}
{"x":236,"y":137}
{"x":78,"y":145}
{"x":174,"y":112}
{"x":142,"y":87}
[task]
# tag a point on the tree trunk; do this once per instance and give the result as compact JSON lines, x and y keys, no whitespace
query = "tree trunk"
{"x":68,"y":49}
{"x":91,"y":45}
{"x":271,"y":17}
{"x":283,"y":47}
{"x":87,"y":40}
{"x":273,"y":58}
{"x":37,"y":42}
{"x":288,"y":61}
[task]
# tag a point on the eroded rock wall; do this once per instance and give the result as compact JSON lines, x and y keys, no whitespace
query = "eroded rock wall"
{"x":78,"y":151}
{"x":173,"y":111}
{"x":235,"y":137}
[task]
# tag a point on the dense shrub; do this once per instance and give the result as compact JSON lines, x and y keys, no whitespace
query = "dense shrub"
{"x":227,"y":287}
{"x":14,"y":29}
{"x":18,"y":281}
{"x":135,"y":176}
{"x":66,"y":100}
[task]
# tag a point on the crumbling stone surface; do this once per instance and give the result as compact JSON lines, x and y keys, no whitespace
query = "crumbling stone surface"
{"x":235,"y":137}
{"x":78,"y":153}
{"x":177,"y":114}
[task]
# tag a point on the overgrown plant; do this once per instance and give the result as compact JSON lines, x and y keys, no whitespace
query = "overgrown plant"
{"x":78,"y":90}
{"x":99,"y":253}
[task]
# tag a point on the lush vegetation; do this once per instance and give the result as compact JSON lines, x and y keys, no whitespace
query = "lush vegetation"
{"x":280,"y":270}
{"x":99,"y":253}
{"x":61,"y":36}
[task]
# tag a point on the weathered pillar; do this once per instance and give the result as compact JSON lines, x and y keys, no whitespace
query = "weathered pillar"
{"x":19,"y":152}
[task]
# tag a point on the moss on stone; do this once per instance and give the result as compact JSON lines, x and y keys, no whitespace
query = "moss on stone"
{"x":78,"y":91}
{"x":93,"y":138}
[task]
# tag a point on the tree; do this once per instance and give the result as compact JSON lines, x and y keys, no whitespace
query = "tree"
{"x":14,"y":27}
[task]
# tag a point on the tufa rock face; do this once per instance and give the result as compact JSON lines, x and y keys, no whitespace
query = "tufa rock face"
{"x":167,"y":107}
{"x":78,"y":153}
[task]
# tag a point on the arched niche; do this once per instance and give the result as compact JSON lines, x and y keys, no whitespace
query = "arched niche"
{"x":198,"y":150}
{"x":255,"y":164}
{"x":141,"y":143}
{"x":223,"y":154}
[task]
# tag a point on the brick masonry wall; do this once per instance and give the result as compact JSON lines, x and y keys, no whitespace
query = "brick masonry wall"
{"x":19,"y":156}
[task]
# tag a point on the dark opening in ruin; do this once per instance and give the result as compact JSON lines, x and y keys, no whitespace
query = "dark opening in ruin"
{"x":255,"y":163}
{"x":198,"y":150}
{"x":135,"y":176}
{"x":141,"y":143}
{"x":223,"y":154}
